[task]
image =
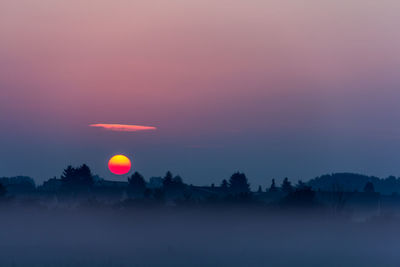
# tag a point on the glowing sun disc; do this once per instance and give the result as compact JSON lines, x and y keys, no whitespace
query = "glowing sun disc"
{"x":119,"y":165}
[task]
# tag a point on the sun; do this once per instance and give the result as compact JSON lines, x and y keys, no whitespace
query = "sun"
{"x":119,"y":164}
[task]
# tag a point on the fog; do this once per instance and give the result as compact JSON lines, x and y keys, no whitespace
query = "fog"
{"x":179,"y":237}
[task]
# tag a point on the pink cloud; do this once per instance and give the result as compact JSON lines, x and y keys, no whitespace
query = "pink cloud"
{"x":123,"y":127}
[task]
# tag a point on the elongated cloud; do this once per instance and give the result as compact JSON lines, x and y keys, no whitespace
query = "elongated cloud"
{"x":123,"y":127}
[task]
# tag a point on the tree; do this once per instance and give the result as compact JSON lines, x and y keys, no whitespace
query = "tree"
{"x":177,"y":180}
{"x":173,"y":186}
{"x":68,"y":174}
{"x":301,"y":197}
{"x":273,"y":187}
{"x":177,"y":184}
{"x":259,"y":189}
{"x":159,"y":195}
{"x":287,"y":186}
{"x":3,"y":190}
{"x":137,"y":184}
{"x":301,"y":185}
{"x":369,"y":188}
{"x":85,"y":175}
{"x":167,"y":180}
{"x":224,"y":185}
{"x":77,"y":179}
{"x":147,"y":193}
{"x":238,"y":183}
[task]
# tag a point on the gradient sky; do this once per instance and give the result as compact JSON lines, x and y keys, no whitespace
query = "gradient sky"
{"x":272,"y":88}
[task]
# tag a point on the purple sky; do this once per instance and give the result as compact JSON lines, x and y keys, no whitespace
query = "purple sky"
{"x":271,"y":88}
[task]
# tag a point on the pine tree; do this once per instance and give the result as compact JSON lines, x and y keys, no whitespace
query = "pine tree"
{"x":77,"y":179}
{"x":287,"y":186}
{"x":238,"y":183}
{"x":273,"y":187}
{"x":224,"y":185}
{"x":137,"y":184}
{"x":167,"y":181}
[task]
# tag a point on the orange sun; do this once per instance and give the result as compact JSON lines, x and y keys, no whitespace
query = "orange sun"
{"x":119,"y":164}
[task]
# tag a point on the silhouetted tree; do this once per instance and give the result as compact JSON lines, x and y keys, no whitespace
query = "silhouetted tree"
{"x":159,"y":195}
{"x":225,"y":185}
{"x":3,"y":190}
{"x":77,"y":179}
{"x":177,"y":180}
{"x":86,"y":174}
{"x":147,"y":193}
{"x":303,"y":197}
{"x":167,"y":180}
{"x":173,"y":186}
{"x":351,"y":181}
{"x":273,"y":187}
{"x":68,"y":174}
{"x":259,"y":189}
{"x":238,"y":183}
{"x":177,"y":184}
{"x":287,"y":186}
{"x":18,"y":184}
{"x":300,"y":185}
{"x":137,"y":184}
{"x":369,"y":187}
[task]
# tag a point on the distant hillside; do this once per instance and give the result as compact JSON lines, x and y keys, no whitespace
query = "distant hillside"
{"x":355,"y":182}
{"x":18,"y":184}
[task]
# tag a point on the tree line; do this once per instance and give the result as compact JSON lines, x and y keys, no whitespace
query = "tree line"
{"x":80,"y":183}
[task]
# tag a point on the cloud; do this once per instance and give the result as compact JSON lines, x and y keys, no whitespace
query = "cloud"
{"x":123,"y":127}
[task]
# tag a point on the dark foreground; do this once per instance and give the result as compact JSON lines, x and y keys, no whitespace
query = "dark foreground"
{"x":193,"y":238}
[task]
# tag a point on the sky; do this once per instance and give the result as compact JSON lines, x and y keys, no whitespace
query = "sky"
{"x":271,"y":88}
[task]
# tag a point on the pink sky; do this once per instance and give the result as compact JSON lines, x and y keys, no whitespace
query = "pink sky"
{"x":208,"y":73}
